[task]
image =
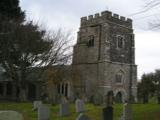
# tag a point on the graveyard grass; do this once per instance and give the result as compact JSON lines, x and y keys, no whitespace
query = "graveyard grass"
{"x":140,"y":111}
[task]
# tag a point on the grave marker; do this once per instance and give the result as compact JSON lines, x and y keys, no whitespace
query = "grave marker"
{"x":64,"y":109}
{"x":10,"y":115}
{"x":36,"y":104}
{"x":79,"y":104}
{"x":43,"y":112}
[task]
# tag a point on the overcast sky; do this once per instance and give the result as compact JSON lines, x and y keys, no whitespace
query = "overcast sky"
{"x":66,"y":14}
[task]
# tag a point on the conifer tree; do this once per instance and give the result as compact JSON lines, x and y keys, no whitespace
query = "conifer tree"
{"x":21,"y":45}
{"x":24,"y":45}
{"x":10,"y":10}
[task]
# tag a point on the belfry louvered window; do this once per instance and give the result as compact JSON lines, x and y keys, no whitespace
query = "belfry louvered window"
{"x":90,"y":41}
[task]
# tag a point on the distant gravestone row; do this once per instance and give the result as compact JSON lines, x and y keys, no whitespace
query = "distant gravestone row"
{"x":44,"y":111}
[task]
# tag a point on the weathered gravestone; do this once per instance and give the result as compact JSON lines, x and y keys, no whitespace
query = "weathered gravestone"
{"x":82,"y":116}
{"x":108,"y":113}
{"x":79,"y":104}
{"x":64,"y":109}
{"x":126,"y":112}
{"x":10,"y":115}
{"x":43,"y":112}
{"x":36,"y":104}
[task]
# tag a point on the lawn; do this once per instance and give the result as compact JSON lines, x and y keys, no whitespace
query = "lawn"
{"x":140,"y":111}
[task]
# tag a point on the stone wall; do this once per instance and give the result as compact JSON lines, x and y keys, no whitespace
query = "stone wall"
{"x":106,"y":16}
{"x":98,"y":65}
{"x":85,"y":79}
{"x":107,"y":78}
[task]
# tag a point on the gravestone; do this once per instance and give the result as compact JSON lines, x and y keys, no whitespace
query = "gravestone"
{"x":36,"y":104}
{"x":64,"y":109}
{"x":108,"y":113}
{"x":82,"y":116}
{"x":43,"y":112}
{"x":127,"y":111}
{"x":10,"y":115}
{"x":79,"y":104}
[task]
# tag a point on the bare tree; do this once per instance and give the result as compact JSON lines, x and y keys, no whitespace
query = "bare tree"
{"x":61,"y":49}
{"x":27,"y":46}
{"x":24,"y":45}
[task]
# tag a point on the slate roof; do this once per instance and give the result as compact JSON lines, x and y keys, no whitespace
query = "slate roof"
{"x":36,"y":74}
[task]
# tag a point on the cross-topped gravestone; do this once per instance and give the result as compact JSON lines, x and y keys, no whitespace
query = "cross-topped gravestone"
{"x":36,"y":104}
{"x":79,"y":104}
{"x":43,"y":112}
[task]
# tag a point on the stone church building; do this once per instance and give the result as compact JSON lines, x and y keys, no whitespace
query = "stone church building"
{"x":103,"y":60}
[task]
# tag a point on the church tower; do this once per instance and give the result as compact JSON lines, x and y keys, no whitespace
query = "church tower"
{"x":104,"y":57}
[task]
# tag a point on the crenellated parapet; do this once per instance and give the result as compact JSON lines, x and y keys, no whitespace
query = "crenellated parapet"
{"x":104,"y":16}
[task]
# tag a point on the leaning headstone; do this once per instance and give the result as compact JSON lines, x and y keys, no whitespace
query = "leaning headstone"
{"x":108,"y":113}
{"x":43,"y":112}
{"x":10,"y":115}
{"x":82,"y":116}
{"x":79,"y":105}
{"x":36,"y":104}
{"x":64,"y":109}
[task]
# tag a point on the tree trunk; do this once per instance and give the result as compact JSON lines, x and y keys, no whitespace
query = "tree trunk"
{"x":23,"y":84}
{"x":22,"y":93}
{"x":23,"y":97}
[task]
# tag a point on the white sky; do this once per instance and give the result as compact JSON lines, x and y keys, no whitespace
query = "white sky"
{"x":66,"y":14}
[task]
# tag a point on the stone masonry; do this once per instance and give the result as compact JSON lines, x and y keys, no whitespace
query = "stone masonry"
{"x":104,"y":56}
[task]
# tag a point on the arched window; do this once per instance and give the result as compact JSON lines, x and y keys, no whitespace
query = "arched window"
{"x":90,"y":41}
{"x":118,"y":97}
{"x":62,"y":89}
{"x":119,"y":77}
{"x":66,"y":90}
{"x":120,"y":41}
{"x":59,"y":88}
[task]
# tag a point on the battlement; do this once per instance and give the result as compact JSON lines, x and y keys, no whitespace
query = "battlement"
{"x":106,"y":15}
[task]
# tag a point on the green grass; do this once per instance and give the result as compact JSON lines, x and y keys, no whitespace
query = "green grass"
{"x":140,"y":111}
